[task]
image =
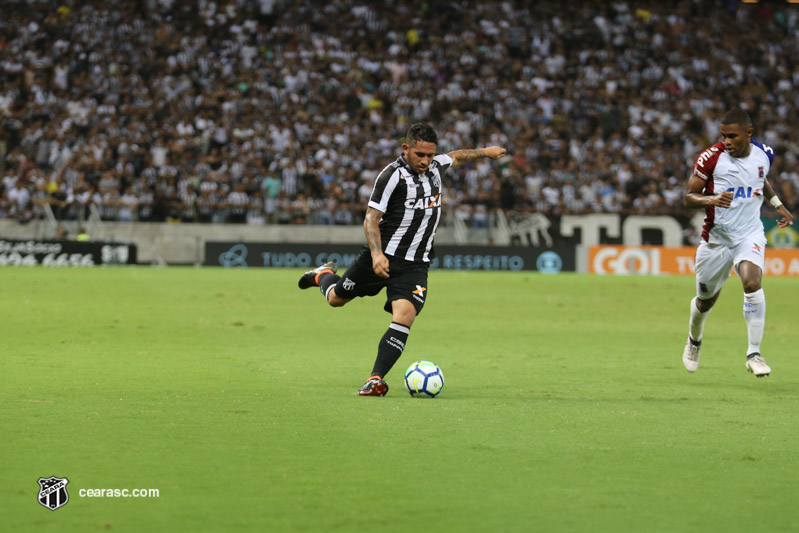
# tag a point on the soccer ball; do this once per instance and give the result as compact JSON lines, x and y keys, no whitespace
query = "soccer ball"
{"x":424,"y":379}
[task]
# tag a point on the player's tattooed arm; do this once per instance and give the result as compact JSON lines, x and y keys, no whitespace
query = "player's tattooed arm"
{"x":371,"y":226}
{"x":461,"y":157}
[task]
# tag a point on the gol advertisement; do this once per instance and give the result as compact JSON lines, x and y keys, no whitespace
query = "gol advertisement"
{"x":657,"y":260}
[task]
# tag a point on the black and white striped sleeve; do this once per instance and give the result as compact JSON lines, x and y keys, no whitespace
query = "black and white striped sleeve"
{"x":444,"y":162}
{"x":384,"y":186}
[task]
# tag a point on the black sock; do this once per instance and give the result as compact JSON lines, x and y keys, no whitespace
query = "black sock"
{"x":326,"y":280}
{"x":390,"y":348}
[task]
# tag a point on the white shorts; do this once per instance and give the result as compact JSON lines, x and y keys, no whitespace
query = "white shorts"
{"x":714,"y":261}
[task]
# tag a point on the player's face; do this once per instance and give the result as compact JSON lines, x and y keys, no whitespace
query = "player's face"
{"x":736,"y":139}
{"x":419,"y":155}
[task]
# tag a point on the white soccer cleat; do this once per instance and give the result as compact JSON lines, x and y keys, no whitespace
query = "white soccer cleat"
{"x":757,"y":365}
{"x":690,"y":356}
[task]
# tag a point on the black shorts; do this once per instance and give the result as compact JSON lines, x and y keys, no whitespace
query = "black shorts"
{"x":406,"y":281}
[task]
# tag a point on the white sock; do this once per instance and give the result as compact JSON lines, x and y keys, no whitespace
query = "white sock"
{"x":755,"y":315}
{"x":697,"y":323}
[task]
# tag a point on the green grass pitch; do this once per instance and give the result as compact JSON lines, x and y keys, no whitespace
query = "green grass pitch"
{"x":232,"y":392}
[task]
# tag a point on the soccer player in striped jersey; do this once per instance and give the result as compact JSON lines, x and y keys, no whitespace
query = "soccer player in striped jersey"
{"x":400,"y":225}
{"x":729,"y":181}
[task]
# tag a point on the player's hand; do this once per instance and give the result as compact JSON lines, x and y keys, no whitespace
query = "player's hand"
{"x":494,"y":152}
{"x":722,"y":200}
{"x":787,"y":217}
{"x":380,"y":264}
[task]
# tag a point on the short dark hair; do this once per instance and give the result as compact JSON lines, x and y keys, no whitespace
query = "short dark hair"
{"x":421,"y":131}
{"x":737,"y":116}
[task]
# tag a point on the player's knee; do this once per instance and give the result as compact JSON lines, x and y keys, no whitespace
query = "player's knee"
{"x":706,"y":305}
{"x":405,"y":318}
{"x":751,"y":286}
{"x":409,"y":317}
{"x":403,"y":312}
{"x":334,"y":300}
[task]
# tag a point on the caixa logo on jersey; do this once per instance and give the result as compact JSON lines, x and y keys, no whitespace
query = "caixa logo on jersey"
{"x":744,"y":192}
{"x":53,"y":492}
{"x":426,"y":202}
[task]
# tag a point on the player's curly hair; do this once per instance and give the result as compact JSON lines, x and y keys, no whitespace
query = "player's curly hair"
{"x":421,"y":131}
{"x":737,"y":116}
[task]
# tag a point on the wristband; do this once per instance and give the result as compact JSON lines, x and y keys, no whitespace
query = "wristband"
{"x":775,"y":201}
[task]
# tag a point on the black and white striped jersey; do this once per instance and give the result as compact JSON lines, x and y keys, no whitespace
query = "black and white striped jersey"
{"x":411,"y":207}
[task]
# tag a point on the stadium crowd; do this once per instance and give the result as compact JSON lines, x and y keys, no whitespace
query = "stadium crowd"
{"x":283,"y":112}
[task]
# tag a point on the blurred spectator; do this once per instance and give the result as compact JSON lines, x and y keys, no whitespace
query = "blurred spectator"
{"x":60,"y":234}
{"x":18,"y":201}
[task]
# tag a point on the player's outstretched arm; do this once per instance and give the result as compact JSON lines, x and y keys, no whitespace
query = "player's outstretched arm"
{"x":461,"y":157}
{"x":774,"y":200}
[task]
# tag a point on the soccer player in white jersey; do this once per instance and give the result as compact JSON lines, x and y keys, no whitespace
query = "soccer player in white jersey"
{"x":401,"y":220}
{"x":729,"y":181}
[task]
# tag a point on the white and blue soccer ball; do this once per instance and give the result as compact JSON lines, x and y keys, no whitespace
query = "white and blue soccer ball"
{"x":424,"y":379}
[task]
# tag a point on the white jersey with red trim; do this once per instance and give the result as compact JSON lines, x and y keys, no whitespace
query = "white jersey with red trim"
{"x":744,"y":177}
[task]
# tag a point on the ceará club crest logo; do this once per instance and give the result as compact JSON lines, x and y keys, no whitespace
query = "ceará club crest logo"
{"x":53,"y":492}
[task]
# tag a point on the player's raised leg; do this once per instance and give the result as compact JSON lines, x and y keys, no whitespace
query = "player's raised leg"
{"x":312,"y":278}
